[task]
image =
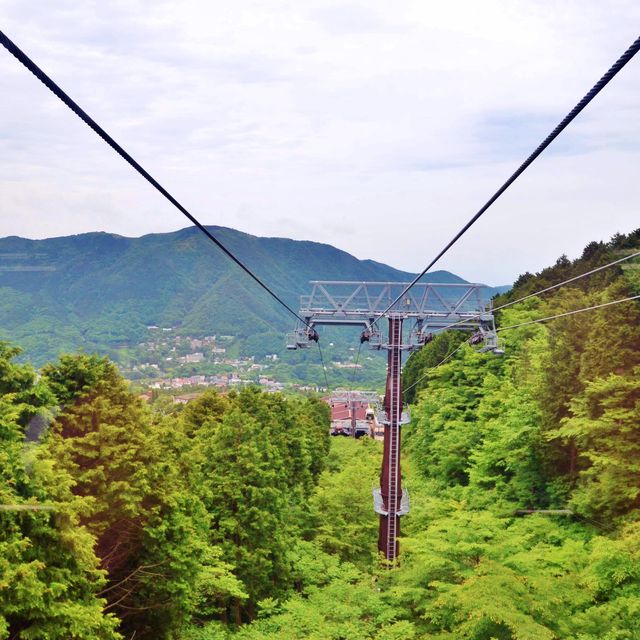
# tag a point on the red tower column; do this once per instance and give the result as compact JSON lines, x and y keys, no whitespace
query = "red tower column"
{"x":390,"y":480}
{"x":354,"y":422}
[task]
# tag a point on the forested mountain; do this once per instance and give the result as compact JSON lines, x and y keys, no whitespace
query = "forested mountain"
{"x":234,"y":518}
{"x":98,"y":291}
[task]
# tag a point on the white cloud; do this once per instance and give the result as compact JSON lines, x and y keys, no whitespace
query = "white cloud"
{"x":378,"y":128}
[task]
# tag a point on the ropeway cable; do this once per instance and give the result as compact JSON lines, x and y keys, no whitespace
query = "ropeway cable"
{"x":430,"y":369}
{"x":62,"y":95}
{"x":560,"y":284}
{"x":355,"y":368}
{"x":276,"y":330}
{"x":82,"y":114}
{"x":324,"y":368}
{"x":606,"y":78}
{"x":523,"y":324}
{"x":568,"y":313}
{"x":545,"y":290}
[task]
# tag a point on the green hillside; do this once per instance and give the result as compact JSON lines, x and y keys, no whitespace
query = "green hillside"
{"x":100,"y":291}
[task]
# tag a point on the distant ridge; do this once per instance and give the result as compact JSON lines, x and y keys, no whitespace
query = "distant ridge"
{"x":99,"y":291}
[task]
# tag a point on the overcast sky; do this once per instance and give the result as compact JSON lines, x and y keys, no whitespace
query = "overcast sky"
{"x":378,"y":127}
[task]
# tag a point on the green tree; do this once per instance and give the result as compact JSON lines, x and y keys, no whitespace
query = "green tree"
{"x":246,"y":498}
{"x":336,"y":601}
{"x":604,"y":424}
{"x":444,"y":428}
{"x":151,"y":529}
{"x":342,"y":518}
{"x":473,"y":574}
{"x":507,"y":464}
{"x":612,"y":579}
{"x":426,"y":358}
{"x":49,"y":575}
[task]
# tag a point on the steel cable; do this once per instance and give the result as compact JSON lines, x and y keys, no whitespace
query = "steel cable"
{"x":545,"y":290}
{"x":604,"y":80}
{"x":568,"y":313}
{"x":524,"y":324}
{"x":64,"y":97}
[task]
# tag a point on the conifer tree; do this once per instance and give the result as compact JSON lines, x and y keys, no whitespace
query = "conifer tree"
{"x":49,"y":575}
{"x":604,"y":422}
{"x":247,"y":500}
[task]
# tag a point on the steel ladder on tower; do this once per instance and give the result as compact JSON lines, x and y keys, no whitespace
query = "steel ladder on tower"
{"x":395,"y":411}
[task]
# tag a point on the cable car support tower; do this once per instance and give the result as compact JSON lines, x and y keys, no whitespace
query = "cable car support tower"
{"x":432,"y":307}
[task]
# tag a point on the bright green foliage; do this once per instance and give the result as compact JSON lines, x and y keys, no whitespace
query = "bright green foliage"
{"x":207,"y":409}
{"x":612,"y":578}
{"x":258,"y":457}
{"x":342,"y":522}
{"x":180,"y":573}
{"x":533,"y":429}
{"x":245,"y":480}
{"x":312,"y":419}
{"x":613,"y":344}
{"x":74,"y":376}
{"x":446,"y":427}
{"x":33,"y":398}
{"x":508,"y":462}
{"x":412,"y":374}
{"x":49,"y":576}
{"x":471,"y":574}
{"x":151,"y":531}
{"x":101,"y":439}
{"x":336,"y":601}
{"x":285,"y":431}
{"x":605,"y":424}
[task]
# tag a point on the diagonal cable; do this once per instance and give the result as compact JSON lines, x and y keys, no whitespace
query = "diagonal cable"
{"x":606,"y":78}
{"x":524,"y":324}
{"x":545,"y":290}
{"x":324,"y":367}
{"x":568,"y":313}
{"x":62,"y":95}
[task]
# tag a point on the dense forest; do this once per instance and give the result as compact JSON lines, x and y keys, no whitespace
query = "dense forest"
{"x":236,"y":518}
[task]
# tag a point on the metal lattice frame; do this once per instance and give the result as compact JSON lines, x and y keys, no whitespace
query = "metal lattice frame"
{"x":353,"y":302}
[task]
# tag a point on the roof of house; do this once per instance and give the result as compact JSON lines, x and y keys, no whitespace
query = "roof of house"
{"x":342,"y":410}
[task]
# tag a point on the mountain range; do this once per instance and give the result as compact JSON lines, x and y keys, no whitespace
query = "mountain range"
{"x":100,"y":291}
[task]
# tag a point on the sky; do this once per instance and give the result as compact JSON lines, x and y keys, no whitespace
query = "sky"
{"x":377,"y":127}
